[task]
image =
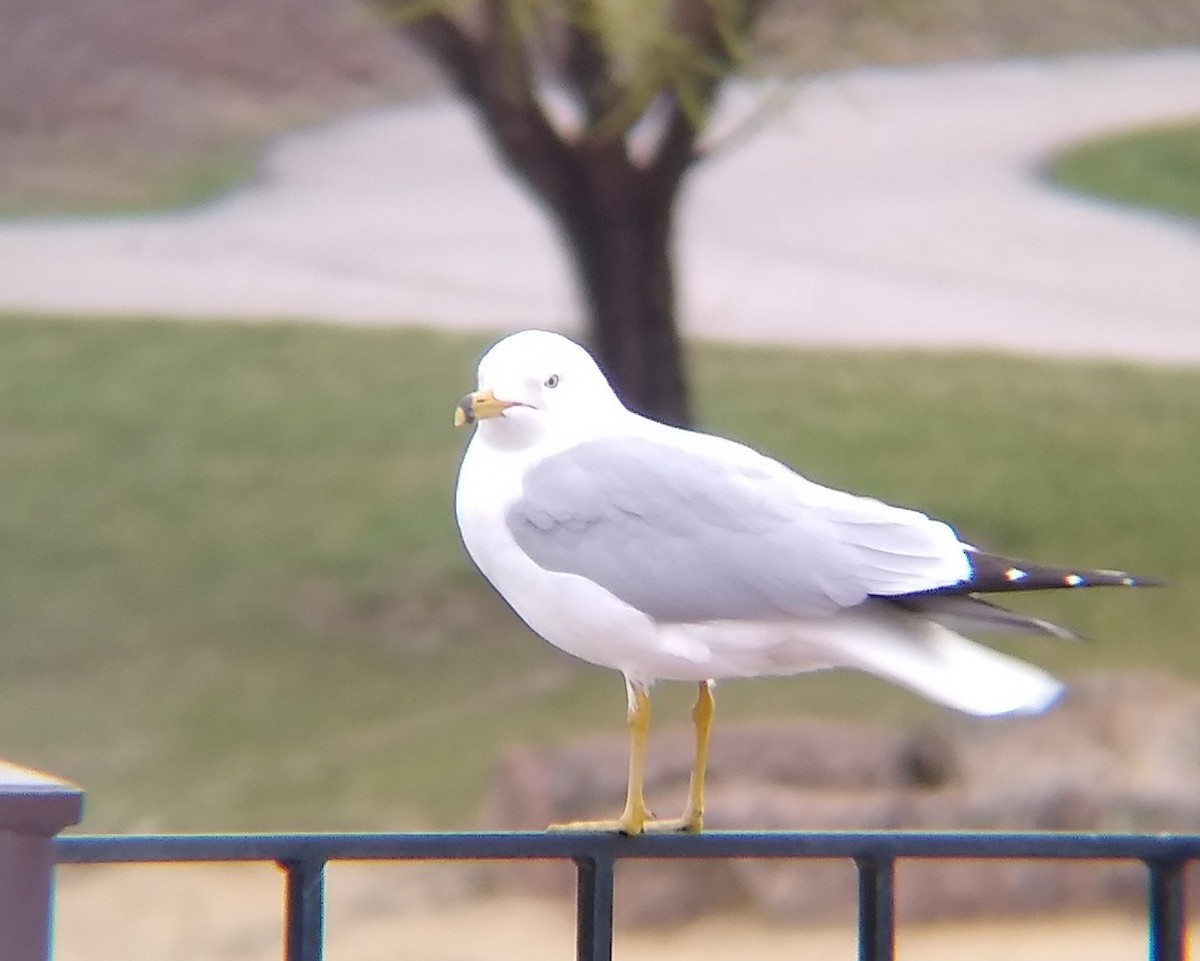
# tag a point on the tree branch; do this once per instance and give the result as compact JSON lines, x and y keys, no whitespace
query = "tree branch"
{"x":586,"y":67}
{"x":513,"y":113}
{"x":448,"y":45}
{"x":491,"y":70}
{"x":714,"y":30}
{"x":676,"y":151}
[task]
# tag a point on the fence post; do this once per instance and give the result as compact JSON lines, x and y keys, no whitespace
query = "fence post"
{"x":33,"y":809}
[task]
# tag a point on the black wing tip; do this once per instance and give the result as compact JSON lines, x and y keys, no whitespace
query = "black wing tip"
{"x":1134,"y":581}
{"x":1109,"y":579}
{"x":996,"y":574}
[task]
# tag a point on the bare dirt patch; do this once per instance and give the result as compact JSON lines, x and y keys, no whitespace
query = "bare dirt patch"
{"x":100,"y":98}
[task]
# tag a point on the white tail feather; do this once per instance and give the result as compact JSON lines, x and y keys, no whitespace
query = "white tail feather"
{"x":945,"y":667}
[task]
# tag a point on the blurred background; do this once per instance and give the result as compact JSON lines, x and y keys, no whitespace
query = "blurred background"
{"x":233,"y":596}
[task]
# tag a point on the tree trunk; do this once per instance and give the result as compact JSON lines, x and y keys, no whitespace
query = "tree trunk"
{"x":619,"y":229}
{"x":615,"y":213}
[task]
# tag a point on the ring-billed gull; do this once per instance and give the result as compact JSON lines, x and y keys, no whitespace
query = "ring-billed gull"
{"x":667,"y":554}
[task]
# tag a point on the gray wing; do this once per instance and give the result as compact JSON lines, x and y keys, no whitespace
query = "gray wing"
{"x":686,"y":537}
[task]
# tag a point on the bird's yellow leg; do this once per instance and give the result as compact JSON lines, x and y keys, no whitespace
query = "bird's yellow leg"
{"x":702,"y":717}
{"x":635,"y":818}
{"x":693,"y":814}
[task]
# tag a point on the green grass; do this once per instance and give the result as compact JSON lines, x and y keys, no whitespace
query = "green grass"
{"x":1157,"y":167}
{"x":233,"y":596}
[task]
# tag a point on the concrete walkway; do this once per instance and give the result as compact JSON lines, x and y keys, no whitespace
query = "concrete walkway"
{"x":877,"y":206}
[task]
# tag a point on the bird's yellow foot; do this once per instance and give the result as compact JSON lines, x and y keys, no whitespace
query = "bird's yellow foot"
{"x":684,"y":825}
{"x":631,"y":822}
{"x":609,"y":826}
{"x":634,"y":825}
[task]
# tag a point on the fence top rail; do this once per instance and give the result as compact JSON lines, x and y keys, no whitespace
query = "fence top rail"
{"x":577,"y":846}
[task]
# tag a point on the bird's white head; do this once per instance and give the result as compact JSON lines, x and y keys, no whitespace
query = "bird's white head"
{"x":534,"y":382}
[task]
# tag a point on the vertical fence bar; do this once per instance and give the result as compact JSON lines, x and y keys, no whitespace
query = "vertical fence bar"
{"x":33,"y":809}
{"x":594,"y":909}
{"x":1167,"y":911}
{"x":304,"y":907}
{"x":876,"y":900}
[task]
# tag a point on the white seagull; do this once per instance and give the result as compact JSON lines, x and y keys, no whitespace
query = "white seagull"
{"x":667,"y":554}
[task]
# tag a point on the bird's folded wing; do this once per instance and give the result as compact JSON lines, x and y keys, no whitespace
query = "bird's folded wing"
{"x":690,"y":536}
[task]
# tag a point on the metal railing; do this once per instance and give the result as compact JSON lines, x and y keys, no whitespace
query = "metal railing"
{"x":33,"y":809}
{"x":303,"y":859}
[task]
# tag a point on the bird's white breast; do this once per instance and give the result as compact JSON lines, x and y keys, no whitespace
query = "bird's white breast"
{"x":582,"y":618}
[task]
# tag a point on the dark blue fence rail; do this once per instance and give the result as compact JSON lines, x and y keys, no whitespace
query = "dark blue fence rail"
{"x":303,"y":859}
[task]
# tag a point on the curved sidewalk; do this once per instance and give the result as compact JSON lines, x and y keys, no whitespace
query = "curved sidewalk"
{"x":877,"y":206}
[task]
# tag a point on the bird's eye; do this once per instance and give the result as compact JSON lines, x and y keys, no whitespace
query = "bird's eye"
{"x":552,"y":381}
